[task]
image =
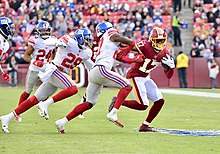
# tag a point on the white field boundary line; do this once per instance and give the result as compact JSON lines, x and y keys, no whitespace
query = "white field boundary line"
{"x":190,"y":93}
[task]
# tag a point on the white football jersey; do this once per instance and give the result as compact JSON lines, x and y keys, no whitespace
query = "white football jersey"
{"x":41,"y":52}
{"x":71,"y":56}
{"x":4,"y":46}
{"x":107,"y":50}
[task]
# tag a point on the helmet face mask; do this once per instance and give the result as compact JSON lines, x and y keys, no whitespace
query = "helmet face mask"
{"x":7,"y":28}
{"x":84,"y":37}
{"x":158,"y":39}
{"x":102,"y":27}
{"x":43,"y":29}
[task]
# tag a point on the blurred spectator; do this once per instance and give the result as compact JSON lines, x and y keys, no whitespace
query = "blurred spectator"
{"x":177,"y":5}
{"x":12,"y":68}
{"x":202,"y":49}
{"x":194,"y":51}
{"x":208,"y":54}
{"x":17,"y":38}
{"x":208,"y":41}
{"x":86,"y":9}
{"x":176,"y":30}
{"x":95,"y":10}
{"x":61,"y":25}
{"x":15,"y":4}
{"x":34,"y":4}
{"x":213,"y":72}
{"x":157,"y":19}
{"x":182,"y":63}
{"x":211,"y":17}
{"x":166,"y":9}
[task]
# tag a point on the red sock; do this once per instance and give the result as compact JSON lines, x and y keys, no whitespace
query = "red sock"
{"x":26,"y":105}
{"x":23,"y":97}
{"x":122,"y":94}
{"x":133,"y":104}
{"x":65,"y":93}
{"x":154,"y":110}
{"x":80,"y":108}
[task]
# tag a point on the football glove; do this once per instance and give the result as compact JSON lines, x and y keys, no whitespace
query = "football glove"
{"x":6,"y":77}
{"x":60,"y":43}
{"x":38,"y":63}
{"x":168,"y":61}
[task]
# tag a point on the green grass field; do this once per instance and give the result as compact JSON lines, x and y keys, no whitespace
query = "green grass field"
{"x":95,"y":134}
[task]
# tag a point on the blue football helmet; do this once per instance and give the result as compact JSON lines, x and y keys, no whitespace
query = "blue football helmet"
{"x":102,"y":27}
{"x":43,"y":29}
{"x":84,"y":37}
{"x":7,"y":27}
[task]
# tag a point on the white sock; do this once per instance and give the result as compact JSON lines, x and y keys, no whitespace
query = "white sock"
{"x":64,"y":120}
{"x":49,"y":101}
{"x":146,"y":123}
{"x":11,"y":115}
{"x":114,"y":111}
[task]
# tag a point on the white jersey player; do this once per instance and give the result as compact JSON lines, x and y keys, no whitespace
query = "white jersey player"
{"x":6,"y":32}
{"x":57,"y":74}
{"x":38,"y":55}
{"x":101,"y":74}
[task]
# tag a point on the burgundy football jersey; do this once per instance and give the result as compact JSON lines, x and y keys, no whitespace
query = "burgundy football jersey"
{"x":152,"y":59}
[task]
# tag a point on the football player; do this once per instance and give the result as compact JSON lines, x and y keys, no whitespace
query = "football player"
{"x":144,"y":87}
{"x":38,"y":55}
{"x":101,"y":74}
{"x":6,"y":32}
{"x":56,"y":75}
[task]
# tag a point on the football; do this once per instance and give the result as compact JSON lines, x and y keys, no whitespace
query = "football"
{"x":165,"y":67}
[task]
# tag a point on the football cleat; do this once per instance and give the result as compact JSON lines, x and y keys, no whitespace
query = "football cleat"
{"x":5,"y":122}
{"x":60,"y":126}
{"x":113,"y":118}
{"x":112,"y":104}
{"x":43,"y":110}
{"x":18,"y":118}
{"x":146,"y":128}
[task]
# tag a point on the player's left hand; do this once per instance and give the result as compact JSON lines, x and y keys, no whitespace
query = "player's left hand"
{"x":6,"y":77}
{"x":60,"y":43}
{"x":168,"y":61}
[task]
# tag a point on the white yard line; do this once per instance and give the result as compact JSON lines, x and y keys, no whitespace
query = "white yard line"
{"x":190,"y":93}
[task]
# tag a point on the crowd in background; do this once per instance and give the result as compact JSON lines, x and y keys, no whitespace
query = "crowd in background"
{"x":133,"y":18}
{"x":206,"y":41}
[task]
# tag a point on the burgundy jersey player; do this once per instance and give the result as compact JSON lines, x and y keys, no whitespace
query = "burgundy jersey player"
{"x":155,"y":53}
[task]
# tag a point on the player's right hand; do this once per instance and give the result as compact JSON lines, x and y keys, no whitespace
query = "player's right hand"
{"x":6,"y":77}
{"x":38,"y":63}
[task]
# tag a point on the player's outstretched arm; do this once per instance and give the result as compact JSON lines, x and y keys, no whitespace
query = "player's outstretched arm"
{"x":27,"y":54}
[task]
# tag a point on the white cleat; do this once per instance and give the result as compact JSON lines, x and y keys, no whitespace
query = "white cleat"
{"x":113,"y":118}
{"x":43,"y":110}
{"x":5,"y":122}
{"x":81,"y":116}
{"x":18,"y":118}
{"x":60,"y":126}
